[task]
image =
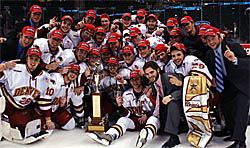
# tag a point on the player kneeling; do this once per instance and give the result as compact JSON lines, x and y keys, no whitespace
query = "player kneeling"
{"x":61,"y":90}
{"x":24,"y":101}
{"x":136,"y":110}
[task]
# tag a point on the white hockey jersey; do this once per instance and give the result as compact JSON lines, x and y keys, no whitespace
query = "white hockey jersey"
{"x":21,"y":89}
{"x":111,"y":86}
{"x":190,"y":64}
{"x":59,"y":90}
{"x":125,"y":71}
{"x":137,"y":106}
{"x":47,"y":57}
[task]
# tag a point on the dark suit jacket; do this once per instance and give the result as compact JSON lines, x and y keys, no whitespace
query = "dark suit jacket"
{"x":168,"y":89}
{"x":238,"y":75}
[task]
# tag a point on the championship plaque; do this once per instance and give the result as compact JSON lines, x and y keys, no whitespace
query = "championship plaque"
{"x":97,"y":124}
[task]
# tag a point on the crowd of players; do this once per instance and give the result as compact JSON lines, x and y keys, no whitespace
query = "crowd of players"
{"x":47,"y":73}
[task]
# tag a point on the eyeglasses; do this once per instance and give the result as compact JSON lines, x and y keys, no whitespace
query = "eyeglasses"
{"x":127,"y":54}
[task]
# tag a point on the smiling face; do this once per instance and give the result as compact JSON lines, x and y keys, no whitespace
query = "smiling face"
{"x":213,"y":41}
{"x":32,"y":62}
{"x":65,"y":26}
{"x":113,"y":68}
{"x":105,"y":23}
{"x":86,"y":36}
{"x":126,"y":21}
{"x":144,"y":51}
{"x":54,"y":43}
{"x":36,"y":17}
{"x":151,"y":74}
{"x":99,"y":37}
{"x":25,"y":41}
{"x":188,"y":27}
{"x":177,"y":57}
{"x":128,"y":57}
{"x":81,"y":54}
{"x":72,"y":75}
{"x":151,"y":23}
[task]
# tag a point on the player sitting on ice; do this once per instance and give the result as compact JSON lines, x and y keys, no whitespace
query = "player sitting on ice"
{"x":28,"y":107}
{"x":61,"y":90}
{"x":134,"y":107}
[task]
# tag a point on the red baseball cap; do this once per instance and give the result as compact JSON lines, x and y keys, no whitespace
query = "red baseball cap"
{"x":113,"y":60}
{"x":144,"y":43}
{"x":141,"y":12}
{"x":113,"y":37}
{"x":175,"y":31}
{"x":126,"y":15}
{"x":172,"y":22}
{"x":34,"y":51}
{"x":90,"y":28}
{"x":134,"y":31}
{"x":29,"y":31}
{"x":91,"y":13}
{"x":67,"y":17}
{"x":105,"y":48}
{"x":134,"y":74}
{"x":57,"y":34}
{"x":203,"y":29}
{"x":160,"y":47}
{"x":178,"y":46}
{"x":186,"y":19}
{"x":83,"y":45}
{"x":212,"y":31}
{"x":152,"y":16}
{"x":36,"y":8}
{"x":75,"y":66}
{"x":127,"y":49}
{"x":100,"y":29}
{"x":105,"y":15}
{"x":95,"y":51}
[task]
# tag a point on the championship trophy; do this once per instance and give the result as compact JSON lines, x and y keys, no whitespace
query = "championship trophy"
{"x":97,"y":123}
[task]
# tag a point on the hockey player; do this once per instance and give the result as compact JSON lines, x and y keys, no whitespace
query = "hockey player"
{"x":61,"y":91}
{"x":135,"y":109}
{"x":105,"y":55}
{"x":195,"y":94}
{"x":99,"y":38}
{"x":25,"y":87}
{"x":51,"y":49}
{"x":64,"y":25}
{"x":111,"y":87}
{"x":131,"y":62}
{"x":162,"y":53}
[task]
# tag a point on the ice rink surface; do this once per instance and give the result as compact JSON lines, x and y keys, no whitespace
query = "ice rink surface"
{"x":78,"y":138}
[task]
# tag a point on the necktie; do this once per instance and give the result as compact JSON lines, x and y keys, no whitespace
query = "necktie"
{"x":219,"y":73}
{"x":157,"y":105}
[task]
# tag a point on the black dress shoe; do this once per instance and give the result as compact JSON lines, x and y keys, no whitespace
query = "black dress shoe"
{"x":172,"y":141}
{"x":222,"y":133}
{"x":238,"y":144}
{"x":229,"y":138}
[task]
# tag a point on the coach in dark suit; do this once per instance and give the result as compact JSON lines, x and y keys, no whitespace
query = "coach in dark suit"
{"x":168,"y":101}
{"x":229,"y":65}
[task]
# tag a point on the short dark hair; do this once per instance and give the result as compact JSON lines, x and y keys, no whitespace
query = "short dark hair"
{"x":151,"y":64}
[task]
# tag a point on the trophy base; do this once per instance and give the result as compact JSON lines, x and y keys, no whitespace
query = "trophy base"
{"x":96,"y":128}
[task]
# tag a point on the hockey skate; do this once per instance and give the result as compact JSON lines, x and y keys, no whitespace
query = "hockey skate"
{"x":142,"y":138}
{"x":32,"y":132}
{"x":102,"y":138}
{"x":2,"y":108}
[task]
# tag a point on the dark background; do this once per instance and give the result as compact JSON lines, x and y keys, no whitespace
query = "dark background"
{"x":218,"y":12}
